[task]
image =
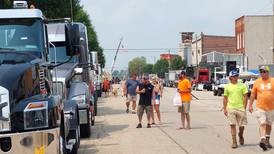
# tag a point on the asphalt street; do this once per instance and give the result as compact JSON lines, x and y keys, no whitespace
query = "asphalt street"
{"x":115,"y":131}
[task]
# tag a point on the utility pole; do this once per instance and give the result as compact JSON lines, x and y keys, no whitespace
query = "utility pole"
{"x":196,"y":39}
{"x":71,"y":10}
{"x":273,"y":32}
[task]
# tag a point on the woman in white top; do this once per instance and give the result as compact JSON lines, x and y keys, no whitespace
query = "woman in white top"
{"x":156,"y":105}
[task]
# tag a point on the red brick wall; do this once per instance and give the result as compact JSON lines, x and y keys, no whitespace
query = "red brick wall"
{"x":223,"y":44}
{"x":239,"y":32}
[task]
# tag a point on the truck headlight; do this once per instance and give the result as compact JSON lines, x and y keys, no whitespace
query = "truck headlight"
{"x":80,"y":99}
{"x":36,"y":115}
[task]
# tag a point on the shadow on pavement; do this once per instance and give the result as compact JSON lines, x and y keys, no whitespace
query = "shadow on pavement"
{"x":87,"y":148}
{"x":109,"y":111}
{"x":103,"y":130}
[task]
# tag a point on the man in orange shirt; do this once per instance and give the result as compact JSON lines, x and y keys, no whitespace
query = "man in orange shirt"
{"x":184,"y":88}
{"x":263,"y":90}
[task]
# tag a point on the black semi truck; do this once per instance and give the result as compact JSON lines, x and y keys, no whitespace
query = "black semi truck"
{"x":32,"y":118}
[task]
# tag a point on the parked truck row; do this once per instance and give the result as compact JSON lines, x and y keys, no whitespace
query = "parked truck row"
{"x":47,"y":83}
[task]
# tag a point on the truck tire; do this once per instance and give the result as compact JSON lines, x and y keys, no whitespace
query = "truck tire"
{"x":219,"y":92}
{"x":85,"y":130}
{"x":95,"y":108}
{"x":215,"y":92}
{"x":76,"y":134}
{"x":62,"y":139}
{"x":99,"y":93}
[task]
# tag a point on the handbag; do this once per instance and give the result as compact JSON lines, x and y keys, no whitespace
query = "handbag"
{"x":177,"y":101}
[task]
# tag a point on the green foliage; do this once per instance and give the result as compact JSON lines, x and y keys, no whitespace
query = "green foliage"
{"x":137,"y":65}
{"x":115,"y":73}
{"x":177,"y":63}
{"x":93,"y":43}
{"x":148,"y":69}
{"x":161,"y":67}
{"x":6,"y":4}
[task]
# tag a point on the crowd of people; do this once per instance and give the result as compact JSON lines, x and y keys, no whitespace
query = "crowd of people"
{"x":235,"y":103}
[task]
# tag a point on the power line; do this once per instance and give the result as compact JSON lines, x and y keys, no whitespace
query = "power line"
{"x":165,"y":49}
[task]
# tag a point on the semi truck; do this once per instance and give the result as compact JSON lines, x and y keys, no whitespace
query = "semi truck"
{"x":78,"y":79}
{"x":33,"y":119}
{"x":202,"y":80}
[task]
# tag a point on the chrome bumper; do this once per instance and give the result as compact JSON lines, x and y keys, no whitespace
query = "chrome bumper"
{"x":34,"y":142}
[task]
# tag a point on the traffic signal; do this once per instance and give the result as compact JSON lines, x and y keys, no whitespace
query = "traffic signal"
{"x":230,"y":65}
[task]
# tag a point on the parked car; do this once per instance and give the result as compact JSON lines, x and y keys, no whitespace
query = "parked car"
{"x":219,"y":86}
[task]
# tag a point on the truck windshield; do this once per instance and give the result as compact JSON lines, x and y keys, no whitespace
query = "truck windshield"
{"x":61,"y":55}
{"x":22,"y":35}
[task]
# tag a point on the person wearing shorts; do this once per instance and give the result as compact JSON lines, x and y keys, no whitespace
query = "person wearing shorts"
{"x":263,"y":91}
{"x":234,"y":104}
{"x":147,"y":95}
{"x":184,"y":89}
{"x":156,"y":105}
{"x":130,"y":93}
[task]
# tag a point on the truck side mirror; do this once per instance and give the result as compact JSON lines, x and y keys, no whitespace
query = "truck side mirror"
{"x":72,"y":39}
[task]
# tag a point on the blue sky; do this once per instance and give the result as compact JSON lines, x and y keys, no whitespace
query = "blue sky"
{"x":146,"y":24}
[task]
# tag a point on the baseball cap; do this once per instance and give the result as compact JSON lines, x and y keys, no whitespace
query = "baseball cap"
{"x":266,"y":68}
{"x":183,"y":73}
{"x":233,"y":73}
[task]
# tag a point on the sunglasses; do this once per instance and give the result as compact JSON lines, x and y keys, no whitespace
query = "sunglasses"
{"x":263,"y":71}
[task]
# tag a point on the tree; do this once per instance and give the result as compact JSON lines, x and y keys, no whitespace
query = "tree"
{"x":6,"y":4}
{"x":93,"y":43}
{"x":148,"y":68}
{"x":137,"y":65}
{"x":161,"y":67}
{"x":177,"y":63}
{"x":115,"y":73}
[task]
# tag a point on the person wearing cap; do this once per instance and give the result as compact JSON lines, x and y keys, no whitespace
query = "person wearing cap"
{"x":263,"y":91}
{"x":147,"y":94}
{"x":184,"y":89}
{"x":234,"y":105}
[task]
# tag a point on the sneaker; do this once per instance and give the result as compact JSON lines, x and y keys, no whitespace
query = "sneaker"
{"x":234,"y":145}
{"x":127,"y":110}
{"x":263,"y":144}
{"x":148,"y":126}
{"x":153,"y":123}
{"x":139,"y":126}
{"x":133,"y":112}
{"x":268,"y":143}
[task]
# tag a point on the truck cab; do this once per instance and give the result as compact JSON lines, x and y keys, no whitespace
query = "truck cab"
{"x":75,"y":71}
{"x":32,"y":116}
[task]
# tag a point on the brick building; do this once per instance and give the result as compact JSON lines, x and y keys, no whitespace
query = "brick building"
{"x":254,"y":39}
{"x":205,"y":44}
